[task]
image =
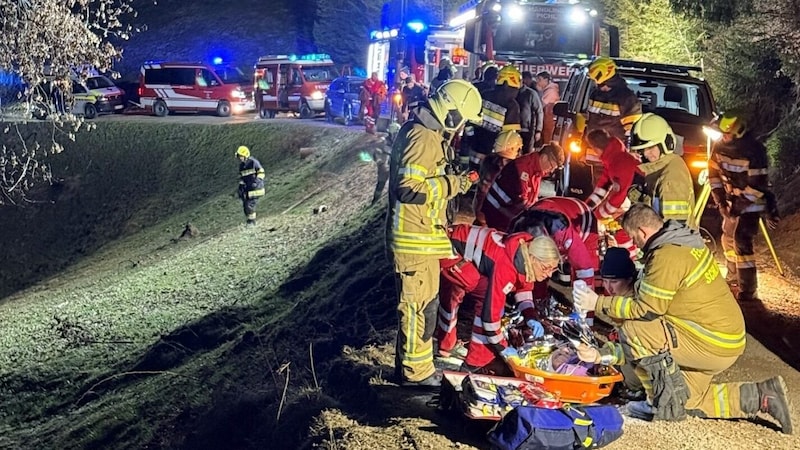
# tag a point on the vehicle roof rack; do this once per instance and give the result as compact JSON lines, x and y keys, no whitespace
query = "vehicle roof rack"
{"x":657,"y":67}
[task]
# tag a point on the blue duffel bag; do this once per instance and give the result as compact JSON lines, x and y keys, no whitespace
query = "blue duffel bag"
{"x":567,"y":428}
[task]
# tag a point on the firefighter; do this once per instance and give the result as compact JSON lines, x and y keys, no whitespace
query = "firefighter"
{"x":612,"y":106}
{"x":490,"y":265}
{"x":413,"y":94}
{"x":251,"y":183}
{"x":737,"y":172}
{"x":381,"y":155}
{"x":416,"y":237}
{"x":531,"y":113}
{"x":571,"y":225}
{"x":447,"y":71}
{"x":681,"y":329}
{"x":500,"y":113}
{"x":668,"y":184}
{"x":517,"y":186}
{"x":506,"y":149}
{"x":373,"y":93}
{"x":610,"y":196}
{"x":488,"y":77}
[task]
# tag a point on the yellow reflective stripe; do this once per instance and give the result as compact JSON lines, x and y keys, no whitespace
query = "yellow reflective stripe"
{"x":630,"y":119}
{"x":721,"y":408}
{"x":256,"y":193}
{"x":512,"y":127}
{"x":720,"y":339}
{"x":754,"y":172}
{"x":247,"y":172}
{"x":622,"y":307}
{"x":608,"y":109}
{"x":410,"y":331}
{"x":655,"y":291}
{"x":753,"y":192}
{"x":587,"y":442}
{"x":706,"y":262}
{"x":675,"y":205}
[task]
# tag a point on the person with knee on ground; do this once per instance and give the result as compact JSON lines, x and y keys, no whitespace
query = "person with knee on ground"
{"x":416,"y":235}
{"x":489,"y":266}
{"x":507,"y":148}
{"x":682,"y":328}
{"x":251,"y":182}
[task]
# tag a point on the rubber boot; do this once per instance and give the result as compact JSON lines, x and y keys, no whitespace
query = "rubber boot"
{"x":251,"y":222}
{"x":768,"y":397}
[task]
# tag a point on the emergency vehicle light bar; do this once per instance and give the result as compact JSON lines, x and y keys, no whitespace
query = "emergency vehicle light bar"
{"x":376,"y":35}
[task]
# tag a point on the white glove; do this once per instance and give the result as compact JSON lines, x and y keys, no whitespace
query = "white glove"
{"x":584,"y":299}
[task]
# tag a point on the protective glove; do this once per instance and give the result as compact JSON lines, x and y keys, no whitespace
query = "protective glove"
{"x":584,"y":299}
{"x":509,"y":352}
{"x":537,"y":330}
{"x":588,"y":353}
{"x":466,"y":181}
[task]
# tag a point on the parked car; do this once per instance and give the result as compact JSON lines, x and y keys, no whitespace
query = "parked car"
{"x":677,"y":93}
{"x":342,"y":100}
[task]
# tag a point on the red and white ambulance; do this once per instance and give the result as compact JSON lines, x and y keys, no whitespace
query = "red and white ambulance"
{"x":166,"y":87}
{"x":293,"y":83}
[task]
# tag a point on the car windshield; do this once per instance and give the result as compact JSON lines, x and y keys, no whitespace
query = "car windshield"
{"x":100,"y":82}
{"x":323,"y":73}
{"x":232,"y":75}
{"x":682,"y":101}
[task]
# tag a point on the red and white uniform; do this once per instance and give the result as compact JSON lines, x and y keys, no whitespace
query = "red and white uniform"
{"x":578,"y":242}
{"x":500,"y":271}
{"x":619,"y":169}
{"x":514,"y":190}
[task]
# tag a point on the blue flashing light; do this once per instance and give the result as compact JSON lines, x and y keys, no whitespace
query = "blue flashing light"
{"x":217,"y":60}
{"x":416,"y":26}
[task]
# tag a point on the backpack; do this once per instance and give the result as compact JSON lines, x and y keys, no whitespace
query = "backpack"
{"x":567,"y":428}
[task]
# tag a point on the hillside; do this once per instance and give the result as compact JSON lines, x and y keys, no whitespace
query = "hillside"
{"x":278,"y":336}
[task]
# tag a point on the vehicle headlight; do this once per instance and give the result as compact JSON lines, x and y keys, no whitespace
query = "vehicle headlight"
{"x":317,"y":95}
{"x":238,"y":93}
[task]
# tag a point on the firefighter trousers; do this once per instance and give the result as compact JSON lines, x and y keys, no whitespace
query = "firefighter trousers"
{"x":698,"y":366}
{"x":737,"y":242}
{"x":417,"y":282}
{"x":249,"y":205}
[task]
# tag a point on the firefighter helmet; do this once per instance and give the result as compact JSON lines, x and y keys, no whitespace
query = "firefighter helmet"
{"x":445,"y":63}
{"x":733,"y":123}
{"x":508,"y":144}
{"x":454,"y":103}
{"x":243,"y":151}
{"x":509,"y":75}
{"x":602,"y":69}
{"x":652,"y":130}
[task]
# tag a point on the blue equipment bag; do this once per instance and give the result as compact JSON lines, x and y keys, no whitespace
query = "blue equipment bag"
{"x":568,"y":428}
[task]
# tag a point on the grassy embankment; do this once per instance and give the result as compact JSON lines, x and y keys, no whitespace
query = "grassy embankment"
{"x":129,"y":337}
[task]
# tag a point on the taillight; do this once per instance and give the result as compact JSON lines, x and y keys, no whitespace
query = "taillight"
{"x":140,"y":91}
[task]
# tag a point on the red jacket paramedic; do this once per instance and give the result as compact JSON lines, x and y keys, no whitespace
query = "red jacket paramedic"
{"x":490,"y":266}
{"x":610,"y":197}
{"x":517,"y":186}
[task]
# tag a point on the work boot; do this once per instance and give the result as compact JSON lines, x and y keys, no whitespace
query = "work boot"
{"x":640,"y":410}
{"x":250,"y":223}
{"x":433,"y":382}
{"x":744,"y":297}
{"x":768,"y":397}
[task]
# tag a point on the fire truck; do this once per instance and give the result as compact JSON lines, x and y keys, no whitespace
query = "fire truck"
{"x":535,"y":35}
{"x":293,"y":83}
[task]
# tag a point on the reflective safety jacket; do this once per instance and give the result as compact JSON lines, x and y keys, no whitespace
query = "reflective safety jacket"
{"x":514,"y":190}
{"x":419,"y":189}
{"x":501,"y":259}
{"x":614,"y":111}
{"x":251,"y":178}
{"x":737,"y":172}
{"x":578,"y":242}
{"x":669,"y":186}
{"x":619,"y":169}
{"x":682,"y":285}
{"x":489,"y":170}
{"x":500,"y":113}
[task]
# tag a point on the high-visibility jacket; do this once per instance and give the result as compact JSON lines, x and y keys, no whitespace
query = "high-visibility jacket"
{"x":682,"y":284}
{"x":419,"y":189}
{"x":614,"y":111}
{"x":619,"y":169}
{"x":489,"y":170}
{"x":669,"y":186}
{"x":514,"y":190}
{"x":500,"y":259}
{"x":500,"y":112}
{"x":578,"y":242}
{"x":737,"y":172}
{"x":251,"y":179}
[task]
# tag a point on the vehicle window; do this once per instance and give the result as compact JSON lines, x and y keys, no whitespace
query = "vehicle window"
{"x":207,"y":79}
{"x":324,"y":73}
{"x":673,"y":100}
{"x":99,"y":82}
{"x":232,"y":75}
{"x":336,"y":85}
{"x":297,"y":79}
{"x":356,"y":86}
{"x":77,"y":88}
{"x":177,"y":76}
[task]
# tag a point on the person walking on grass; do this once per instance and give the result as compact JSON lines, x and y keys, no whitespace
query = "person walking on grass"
{"x":251,"y":183}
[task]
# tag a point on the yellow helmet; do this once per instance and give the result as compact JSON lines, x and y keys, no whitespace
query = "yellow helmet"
{"x":454,"y":103}
{"x":652,"y":130}
{"x":243,"y":151}
{"x":733,"y":123}
{"x":602,"y":69}
{"x":509,"y":75}
{"x":508,"y":144}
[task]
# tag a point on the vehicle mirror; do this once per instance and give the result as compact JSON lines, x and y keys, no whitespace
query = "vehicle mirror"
{"x":561,"y":109}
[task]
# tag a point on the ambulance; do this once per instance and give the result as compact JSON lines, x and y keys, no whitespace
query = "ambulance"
{"x":166,"y":87}
{"x":293,"y":83}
